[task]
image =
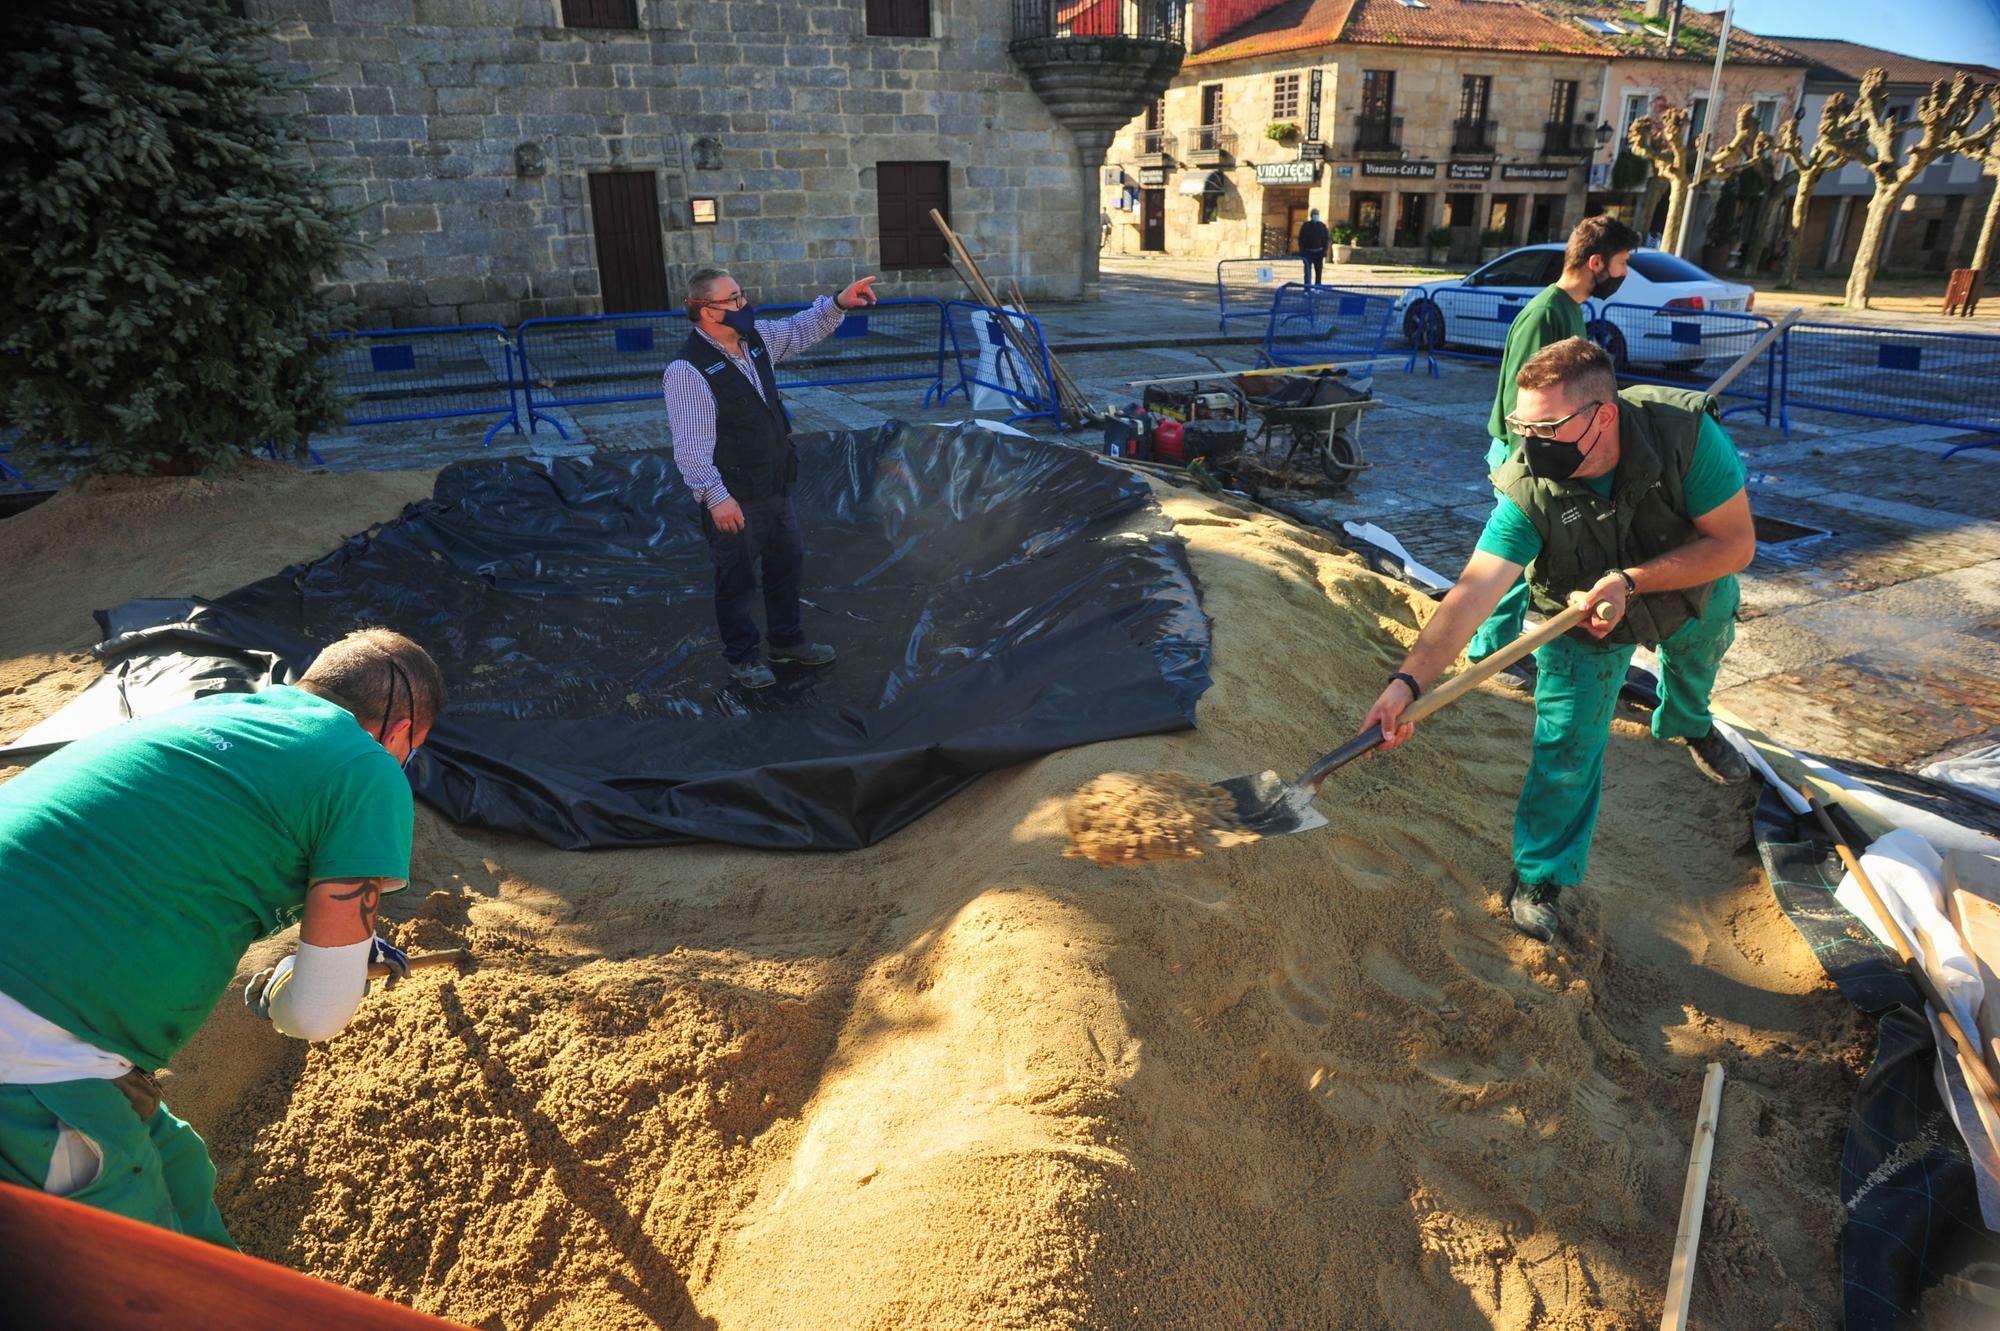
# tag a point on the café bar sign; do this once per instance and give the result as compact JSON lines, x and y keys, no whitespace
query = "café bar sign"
{"x":1287,"y":173}
{"x":1401,"y":170}
{"x":1469,"y":171}
{"x":1152,"y":175}
{"x":1534,"y":173}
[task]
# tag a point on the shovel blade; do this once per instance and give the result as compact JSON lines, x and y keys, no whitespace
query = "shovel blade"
{"x":1268,"y":806}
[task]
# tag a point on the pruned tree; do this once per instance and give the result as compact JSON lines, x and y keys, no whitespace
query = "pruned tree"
{"x":1666,"y":143}
{"x":1982,"y":257}
{"x":1808,"y":166}
{"x":1869,"y":136}
{"x":162,"y":239}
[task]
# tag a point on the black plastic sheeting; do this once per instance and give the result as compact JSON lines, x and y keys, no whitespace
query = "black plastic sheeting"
{"x":1912,"y":1201}
{"x":992,"y":597}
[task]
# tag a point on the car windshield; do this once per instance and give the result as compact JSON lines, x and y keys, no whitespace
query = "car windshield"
{"x":1657,"y":267}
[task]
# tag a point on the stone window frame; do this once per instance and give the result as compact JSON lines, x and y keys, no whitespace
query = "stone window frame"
{"x":1221,"y":112}
{"x":1285,"y":96}
{"x":639,"y":19}
{"x":933,"y":19}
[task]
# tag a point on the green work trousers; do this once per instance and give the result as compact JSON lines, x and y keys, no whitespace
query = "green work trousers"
{"x":1505,"y":623}
{"x":156,"y":1171}
{"x":1575,"y":697}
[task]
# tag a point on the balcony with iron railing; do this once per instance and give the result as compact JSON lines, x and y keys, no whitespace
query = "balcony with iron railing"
{"x":1210,"y":145}
{"x":1378,"y":134}
{"x":1566,"y":140}
{"x":1472,"y":137}
{"x":1148,"y":20}
{"x":1155,"y":147}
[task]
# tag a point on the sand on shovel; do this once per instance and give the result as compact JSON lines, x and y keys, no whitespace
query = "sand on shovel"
{"x":1134,"y":818}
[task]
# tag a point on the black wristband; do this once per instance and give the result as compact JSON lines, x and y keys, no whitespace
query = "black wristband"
{"x":1416,"y":689}
{"x":1631,"y":587}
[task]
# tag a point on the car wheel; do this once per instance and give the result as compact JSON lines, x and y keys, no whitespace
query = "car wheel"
{"x":1423,"y":324}
{"x":1605,"y":334}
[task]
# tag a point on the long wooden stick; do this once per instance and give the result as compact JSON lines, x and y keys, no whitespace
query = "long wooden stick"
{"x":969,"y":270}
{"x":1979,"y":1080}
{"x":1073,"y":398}
{"x":1694,"y":1200}
{"x":1765,"y":339}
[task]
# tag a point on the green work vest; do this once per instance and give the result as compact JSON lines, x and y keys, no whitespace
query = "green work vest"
{"x":1584,"y":536}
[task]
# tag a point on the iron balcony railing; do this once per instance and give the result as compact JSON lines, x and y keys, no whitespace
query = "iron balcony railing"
{"x":1156,"y":143}
{"x":1472,"y":136}
{"x":1567,"y":140}
{"x":1212,"y":140}
{"x":1155,"y":20}
{"x":1379,"y":134}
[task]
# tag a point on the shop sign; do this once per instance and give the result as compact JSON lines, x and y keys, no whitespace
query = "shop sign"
{"x":1312,"y":106}
{"x":1401,"y":170}
{"x":1344,"y":172}
{"x":1469,"y":171}
{"x":1153,"y":175}
{"x":1534,"y":173}
{"x":1287,"y":173}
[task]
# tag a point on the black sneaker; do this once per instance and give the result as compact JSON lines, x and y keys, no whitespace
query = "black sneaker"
{"x":802,"y":653}
{"x":1520,"y":677}
{"x":752,"y":674}
{"x":1533,"y":906}
{"x":1718,"y":759}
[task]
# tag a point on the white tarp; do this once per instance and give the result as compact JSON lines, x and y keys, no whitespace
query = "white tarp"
{"x":1976,"y":773}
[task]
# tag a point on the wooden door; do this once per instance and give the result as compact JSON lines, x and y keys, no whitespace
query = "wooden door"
{"x":631,"y":265}
{"x":1153,"y":220}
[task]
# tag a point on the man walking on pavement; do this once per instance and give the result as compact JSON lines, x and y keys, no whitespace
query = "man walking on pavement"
{"x":733,"y":445}
{"x":1594,"y":264}
{"x":1313,"y":240}
{"x":135,"y":867}
{"x":1634,"y":498}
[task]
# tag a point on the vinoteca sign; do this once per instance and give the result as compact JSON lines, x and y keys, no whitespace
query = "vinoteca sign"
{"x":1287,"y":173}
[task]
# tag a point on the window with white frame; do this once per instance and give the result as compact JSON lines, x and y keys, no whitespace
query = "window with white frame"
{"x":1284,"y":97}
{"x":1766,"y":111}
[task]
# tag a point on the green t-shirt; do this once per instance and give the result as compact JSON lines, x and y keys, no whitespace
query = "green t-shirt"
{"x":138,"y":864}
{"x":1550,"y":317}
{"x":1715,"y":474}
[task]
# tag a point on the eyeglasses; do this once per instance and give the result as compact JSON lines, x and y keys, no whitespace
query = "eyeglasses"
{"x":735,"y":302}
{"x":1547,"y":429}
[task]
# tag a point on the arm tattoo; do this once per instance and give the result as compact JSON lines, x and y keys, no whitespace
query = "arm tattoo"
{"x":365,"y":895}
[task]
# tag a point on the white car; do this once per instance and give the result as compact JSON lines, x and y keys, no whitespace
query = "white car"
{"x":1671,"y":329}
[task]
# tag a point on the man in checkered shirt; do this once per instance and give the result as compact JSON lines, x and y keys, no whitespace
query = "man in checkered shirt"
{"x":733,"y":445}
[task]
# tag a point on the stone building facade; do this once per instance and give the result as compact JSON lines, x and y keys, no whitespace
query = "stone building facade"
{"x":1466,"y":115}
{"x":504,"y":165}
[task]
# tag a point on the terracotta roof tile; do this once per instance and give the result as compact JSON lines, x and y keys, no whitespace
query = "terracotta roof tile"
{"x":1477,"y":25}
{"x":1696,"y":39}
{"x":1834,"y":61}
{"x":1289,"y":26}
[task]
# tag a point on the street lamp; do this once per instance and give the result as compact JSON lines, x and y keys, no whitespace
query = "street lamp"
{"x":1604,"y":132}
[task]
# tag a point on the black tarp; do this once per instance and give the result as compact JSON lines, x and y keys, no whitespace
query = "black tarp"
{"x":992,"y":597}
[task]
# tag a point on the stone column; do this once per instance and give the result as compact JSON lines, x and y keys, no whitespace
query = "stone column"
{"x":1091,"y":147}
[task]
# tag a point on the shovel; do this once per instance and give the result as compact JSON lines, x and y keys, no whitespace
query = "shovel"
{"x":1268,"y":807}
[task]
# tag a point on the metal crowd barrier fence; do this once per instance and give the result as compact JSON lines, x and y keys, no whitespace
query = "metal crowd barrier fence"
{"x":890,"y":341}
{"x":582,"y":359}
{"x":1244,"y":288}
{"x":1684,"y":348}
{"x":421,"y":374}
{"x":1310,"y":325}
{"x":1945,"y":379}
{"x":988,"y":356}
{"x":1462,"y":322}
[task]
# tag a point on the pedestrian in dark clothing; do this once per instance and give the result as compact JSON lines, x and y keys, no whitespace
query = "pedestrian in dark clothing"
{"x":1313,"y":240}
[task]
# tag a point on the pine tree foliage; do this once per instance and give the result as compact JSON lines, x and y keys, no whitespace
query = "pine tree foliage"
{"x":162,"y":239}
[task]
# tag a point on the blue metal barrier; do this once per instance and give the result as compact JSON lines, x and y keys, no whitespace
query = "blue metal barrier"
{"x":891,"y":341}
{"x":1309,"y":325}
{"x":1244,"y":288}
{"x":589,"y":358}
{"x":1688,"y":349}
{"x":1462,"y":322}
{"x":1943,"y":379}
{"x":987,"y":357}
{"x":421,"y":374}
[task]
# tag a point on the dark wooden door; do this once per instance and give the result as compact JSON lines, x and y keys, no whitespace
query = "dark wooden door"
{"x":1153,"y":219}
{"x":631,"y":266}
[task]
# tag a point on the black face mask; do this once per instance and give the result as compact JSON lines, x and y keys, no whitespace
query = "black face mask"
{"x":741,"y":321}
{"x":1554,"y":459}
{"x":1606,"y":286}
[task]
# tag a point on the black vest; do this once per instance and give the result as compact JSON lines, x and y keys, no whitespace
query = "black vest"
{"x":753,"y":435}
{"x":1585,"y":536}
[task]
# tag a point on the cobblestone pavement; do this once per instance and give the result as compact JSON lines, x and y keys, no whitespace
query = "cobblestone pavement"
{"x":1874,"y":634}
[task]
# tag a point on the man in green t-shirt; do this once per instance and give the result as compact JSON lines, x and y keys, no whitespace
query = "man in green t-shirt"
{"x":138,"y":864}
{"x":1594,"y":264}
{"x":1633,"y":500}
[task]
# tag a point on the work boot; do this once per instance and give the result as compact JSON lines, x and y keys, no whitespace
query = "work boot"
{"x":803,"y":653}
{"x":1718,"y":758}
{"x":752,"y":674}
{"x":1533,"y":906}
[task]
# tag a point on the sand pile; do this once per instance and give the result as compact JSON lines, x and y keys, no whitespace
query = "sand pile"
{"x":1145,"y":817}
{"x":960,"y":1080}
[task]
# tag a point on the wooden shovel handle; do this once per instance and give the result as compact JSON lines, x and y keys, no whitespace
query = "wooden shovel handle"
{"x":455,"y":956}
{"x":1472,"y":676}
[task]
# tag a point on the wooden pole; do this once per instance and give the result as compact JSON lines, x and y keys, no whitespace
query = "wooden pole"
{"x":1694,"y":1199}
{"x":1073,"y":398}
{"x":975,"y":279}
{"x":1765,"y":339}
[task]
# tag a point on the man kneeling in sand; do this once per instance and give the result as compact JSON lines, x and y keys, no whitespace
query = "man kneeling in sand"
{"x":1634,"y":498}
{"x":138,"y":864}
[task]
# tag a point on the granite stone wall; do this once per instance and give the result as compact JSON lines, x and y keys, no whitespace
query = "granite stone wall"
{"x":462,"y":133}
